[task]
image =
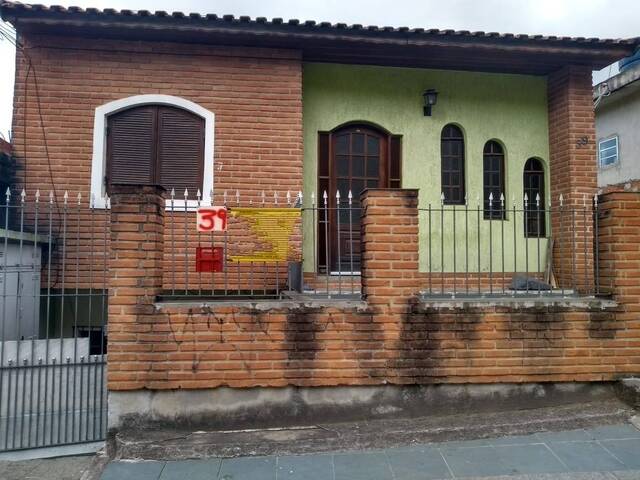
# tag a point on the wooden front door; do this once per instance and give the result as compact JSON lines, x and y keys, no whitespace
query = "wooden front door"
{"x":351,"y":159}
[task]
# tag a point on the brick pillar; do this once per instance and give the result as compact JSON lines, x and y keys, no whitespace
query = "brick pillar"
{"x":573,"y":173}
{"x":389,"y":225}
{"x":619,"y":251}
{"x":135,"y":274}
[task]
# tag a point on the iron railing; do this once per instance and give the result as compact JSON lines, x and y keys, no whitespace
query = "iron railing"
{"x":53,"y":316}
{"x":492,"y":249}
{"x":274,"y":246}
{"x":332,"y":246}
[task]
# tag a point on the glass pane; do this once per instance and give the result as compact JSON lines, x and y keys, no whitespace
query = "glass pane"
{"x":357,"y":164}
{"x":342,"y":165}
{"x":357,"y":187}
{"x":447,"y":164}
{"x":342,"y":144}
{"x":373,"y":145}
{"x":608,"y":144}
{"x":357,"y":143}
{"x":372,"y":183}
{"x":373,"y":167}
{"x":343,"y":187}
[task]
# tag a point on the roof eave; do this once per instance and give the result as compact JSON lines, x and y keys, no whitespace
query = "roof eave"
{"x":322,"y":42}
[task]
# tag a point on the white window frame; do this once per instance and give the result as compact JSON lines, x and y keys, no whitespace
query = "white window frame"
{"x":607,"y":139}
{"x":99,"y":159}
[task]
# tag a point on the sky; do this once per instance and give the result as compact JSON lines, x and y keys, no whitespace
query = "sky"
{"x":584,"y":18}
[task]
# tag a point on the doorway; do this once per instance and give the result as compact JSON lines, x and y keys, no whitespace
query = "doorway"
{"x":352,"y":158}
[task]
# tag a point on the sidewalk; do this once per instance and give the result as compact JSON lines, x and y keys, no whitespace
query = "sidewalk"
{"x":610,"y":452}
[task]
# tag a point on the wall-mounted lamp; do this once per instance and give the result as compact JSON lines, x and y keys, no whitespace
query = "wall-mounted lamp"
{"x":430,"y":99}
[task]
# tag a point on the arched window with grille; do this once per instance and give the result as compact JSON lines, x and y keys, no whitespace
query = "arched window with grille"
{"x":493,"y":178}
{"x":452,"y":165}
{"x":533,"y":181}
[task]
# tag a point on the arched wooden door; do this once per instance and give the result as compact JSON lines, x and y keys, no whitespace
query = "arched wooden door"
{"x":352,"y":159}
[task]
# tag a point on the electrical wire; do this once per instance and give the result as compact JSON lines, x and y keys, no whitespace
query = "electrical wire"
{"x":6,"y":33}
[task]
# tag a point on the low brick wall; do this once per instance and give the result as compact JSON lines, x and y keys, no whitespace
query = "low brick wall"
{"x":287,"y":343}
{"x":390,"y":338}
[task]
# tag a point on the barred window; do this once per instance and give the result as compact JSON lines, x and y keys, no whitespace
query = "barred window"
{"x":493,"y":177}
{"x":452,"y":165}
{"x":533,"y":180}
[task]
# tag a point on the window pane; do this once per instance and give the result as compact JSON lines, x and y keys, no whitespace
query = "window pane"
{"x":343,"y":187}
{"x":373,"y":145}
{"x":373,"y":165}
{"x":342,"y":145}
{"x":342,"y":162}
{"x":608,"y":143}
{"x":357,"y":143}
{"x":357,"y":186}
{"x":357,"y":165}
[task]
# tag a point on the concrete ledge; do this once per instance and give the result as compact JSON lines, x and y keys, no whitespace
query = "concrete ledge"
{"x":300,"y":304}
{"x":224,"y":408}
{"x":520,"y":303}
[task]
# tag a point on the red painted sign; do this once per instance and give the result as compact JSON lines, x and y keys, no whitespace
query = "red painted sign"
{"x":209,"y":259}
{"x":212,"y":219}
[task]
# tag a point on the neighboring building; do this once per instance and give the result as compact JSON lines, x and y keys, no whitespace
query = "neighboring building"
{"x":5,"y":147}
{"x":617,"y":106}
{"x":432,"y":165}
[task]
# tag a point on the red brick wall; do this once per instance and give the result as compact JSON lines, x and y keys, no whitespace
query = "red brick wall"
{"x":256,"y":95}
{"x":136,"y":251}
{"x":391,"y":339}
{"x":573,"y":174}
{"x":619,"y":251}
{"x":390,"y":248}
{"x":200,"y":347}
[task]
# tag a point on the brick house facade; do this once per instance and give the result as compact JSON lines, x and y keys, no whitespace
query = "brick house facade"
{"x":251,"y":75}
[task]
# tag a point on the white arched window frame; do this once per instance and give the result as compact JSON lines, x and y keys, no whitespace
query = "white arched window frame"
{"x":99,"y":159}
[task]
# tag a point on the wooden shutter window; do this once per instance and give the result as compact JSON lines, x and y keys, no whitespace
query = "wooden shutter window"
{"x":156,"y":145}
{"x":180,"y":150}
{"x":131,"y":146}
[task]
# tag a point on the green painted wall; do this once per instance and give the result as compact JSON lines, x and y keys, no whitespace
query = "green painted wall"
{"x":509,"y":108}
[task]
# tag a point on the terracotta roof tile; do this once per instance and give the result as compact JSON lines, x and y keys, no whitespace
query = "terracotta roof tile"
{"x":16,"y":7}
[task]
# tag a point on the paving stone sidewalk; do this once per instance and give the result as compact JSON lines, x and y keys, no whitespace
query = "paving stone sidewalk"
{"x":603,"y":453}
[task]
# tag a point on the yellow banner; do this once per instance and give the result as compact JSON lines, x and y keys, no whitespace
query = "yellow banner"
{"x":273,"y":226}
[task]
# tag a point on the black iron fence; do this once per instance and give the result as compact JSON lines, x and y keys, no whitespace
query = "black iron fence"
{"x":493,"y":249}
{"x":256,"y":245}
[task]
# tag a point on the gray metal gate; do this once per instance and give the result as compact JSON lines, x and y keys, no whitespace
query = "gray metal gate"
{"x":53,"y":311}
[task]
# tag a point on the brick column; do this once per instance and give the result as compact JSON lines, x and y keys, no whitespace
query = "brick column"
{"x":573,"y":173}
{"x":619,"y":251}
{"x":135,"y":274}
{"x":389,"y":223}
